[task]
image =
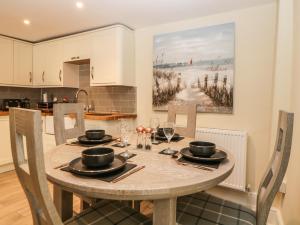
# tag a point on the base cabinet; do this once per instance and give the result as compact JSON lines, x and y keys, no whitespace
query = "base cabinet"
{"x":5,"y":150}
{"x":6,"y":160}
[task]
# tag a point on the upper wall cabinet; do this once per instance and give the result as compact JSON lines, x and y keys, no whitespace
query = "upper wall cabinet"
{"x":6,"y":60}
{"x":112,"y":59}
{"x":77,"y":47}
{"x":40,"y":52}
{"x":48,"y":66}
{"x":22,"y":64}
{"x":55,"y":63}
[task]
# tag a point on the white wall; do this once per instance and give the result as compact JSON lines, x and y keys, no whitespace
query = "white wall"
{"x":255,"y":42}
{"x":291,"y":201}
{"x":283,"y":64}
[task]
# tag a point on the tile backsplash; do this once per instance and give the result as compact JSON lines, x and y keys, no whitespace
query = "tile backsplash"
{"x":102,"y":99}
{"x":19,"y":93}
{"x":34,"y":94}
{"x":106,"y":99}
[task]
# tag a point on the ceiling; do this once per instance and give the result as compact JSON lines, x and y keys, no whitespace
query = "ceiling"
{"x":50,"y":18}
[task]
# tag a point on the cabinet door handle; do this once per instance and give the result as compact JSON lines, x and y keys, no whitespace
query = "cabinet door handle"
{"x":75,"y":57}
{"x":30,"y":77}
{"x":92,"y":73}
{"x":43,"y":76}
{"x":59,"y":75}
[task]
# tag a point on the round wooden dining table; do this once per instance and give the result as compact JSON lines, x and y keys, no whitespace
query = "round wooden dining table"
{"x":162,"y":180}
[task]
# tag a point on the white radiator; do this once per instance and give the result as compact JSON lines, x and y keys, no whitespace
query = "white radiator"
{"x":234,"y":142}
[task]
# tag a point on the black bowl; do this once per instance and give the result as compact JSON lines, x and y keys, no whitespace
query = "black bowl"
{"x":95,"y":134}
{"x":160,"y":132}
{"x":97,"y":157}
{"x":202,"y":148}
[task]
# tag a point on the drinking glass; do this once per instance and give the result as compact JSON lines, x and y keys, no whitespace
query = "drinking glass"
{"x":169,"y":129}
{"x":154,"y":124}
{"x":126,"y":133}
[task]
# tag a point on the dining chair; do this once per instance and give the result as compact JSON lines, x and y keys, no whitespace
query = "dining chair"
{"x":60,"y":110}
{"x":62,"y":134}
{"x":203,"y":208}
{"x":188,"y":109}
{"x":31,"y":173}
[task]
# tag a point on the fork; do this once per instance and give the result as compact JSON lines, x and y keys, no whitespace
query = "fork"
{"x":195,"y":166}
{"x":61,"y":166}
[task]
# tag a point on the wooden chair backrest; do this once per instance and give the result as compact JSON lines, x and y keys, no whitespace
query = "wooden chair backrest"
{"x":59,"y":111}
{"x":275,"y":173}
{"x":189,"y":109}
{"x":28,"y":123}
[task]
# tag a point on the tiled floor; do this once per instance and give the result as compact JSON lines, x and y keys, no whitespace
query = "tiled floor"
{"x":14,"y":209}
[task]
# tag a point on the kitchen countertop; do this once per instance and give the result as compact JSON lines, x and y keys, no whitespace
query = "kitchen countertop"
{"x":3,"y":113}
{"x":91,"y":116}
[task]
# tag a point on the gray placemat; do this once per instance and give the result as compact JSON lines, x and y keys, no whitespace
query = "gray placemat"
{"x":131,"y":156}
{"x":163,"y":152}
{"x":106,"y":177}
{"x":119,"y":145}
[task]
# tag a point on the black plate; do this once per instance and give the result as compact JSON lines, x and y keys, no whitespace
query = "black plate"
{"x":84,"y":140}
{"x":215,"y":158}
{"x":164,"y":138}
{"x":77,"y":167}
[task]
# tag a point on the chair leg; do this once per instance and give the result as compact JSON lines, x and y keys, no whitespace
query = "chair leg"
{"x":127,"y":203}
{"x":137,"y":205}
{"x":83,"y":205}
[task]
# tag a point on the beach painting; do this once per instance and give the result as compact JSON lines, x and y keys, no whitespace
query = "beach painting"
{"x":195,"y":66}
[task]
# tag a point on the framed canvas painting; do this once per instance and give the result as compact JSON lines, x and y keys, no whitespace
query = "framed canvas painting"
{"x":195,"y":66}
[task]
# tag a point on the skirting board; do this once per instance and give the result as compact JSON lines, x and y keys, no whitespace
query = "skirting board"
{"x":247,"y":199}
{"x":6,"y":168}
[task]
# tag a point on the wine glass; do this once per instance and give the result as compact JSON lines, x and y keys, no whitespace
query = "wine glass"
{"x":169,"y":129}
{"x":126,"y":133}
{"x":154,"y":124}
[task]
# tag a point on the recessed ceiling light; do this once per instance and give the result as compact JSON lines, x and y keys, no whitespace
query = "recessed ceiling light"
{"x":79,"y":5}
{"x":26,"y":22}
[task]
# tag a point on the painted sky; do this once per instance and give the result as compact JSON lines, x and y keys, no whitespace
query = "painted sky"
{"x":208,"y":43}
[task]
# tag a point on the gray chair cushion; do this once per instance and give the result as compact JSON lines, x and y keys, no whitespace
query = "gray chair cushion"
{"x":109,"y":213}
{"x":202,"y":208}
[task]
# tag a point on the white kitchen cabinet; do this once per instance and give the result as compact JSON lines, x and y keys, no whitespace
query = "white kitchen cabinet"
{"x":23,"y":63}
{"x":49,"y":69}
{"x":40,"y":52}
{"x":112,"y":59}
{"x":77,"y":47}
{"x":5,"y":150}
{"x":54,"y":65}
{"x":6,"y":60}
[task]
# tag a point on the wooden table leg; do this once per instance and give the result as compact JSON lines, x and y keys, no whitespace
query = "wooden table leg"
{"x":164,"y":212}
{"x":63,"y":201}
{"x":137,"y":205}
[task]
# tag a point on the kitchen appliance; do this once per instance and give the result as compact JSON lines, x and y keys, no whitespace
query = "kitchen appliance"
{"x":45,"y":97}
{"x":20,"y":103}
{"x":45,"y":105}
